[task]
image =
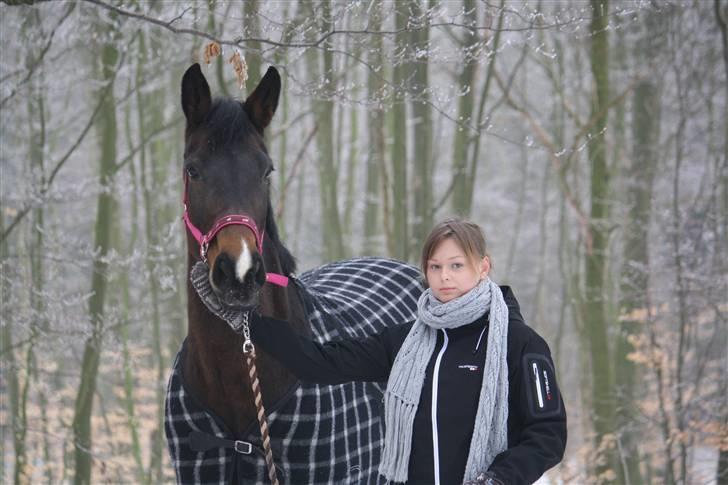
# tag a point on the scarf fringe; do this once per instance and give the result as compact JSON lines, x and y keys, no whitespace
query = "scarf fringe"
{"x":399,"y":419}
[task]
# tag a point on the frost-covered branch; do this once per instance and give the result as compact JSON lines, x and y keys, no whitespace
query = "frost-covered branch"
{"x":62,"y":161}
{"x":37,"y":61}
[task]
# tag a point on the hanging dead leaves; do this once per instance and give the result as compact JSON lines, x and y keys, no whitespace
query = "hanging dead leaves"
{"x":240,"y":67}
{"x":213,"y":49}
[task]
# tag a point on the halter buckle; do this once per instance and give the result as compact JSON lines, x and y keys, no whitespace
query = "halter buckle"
{"x":204,"y":246}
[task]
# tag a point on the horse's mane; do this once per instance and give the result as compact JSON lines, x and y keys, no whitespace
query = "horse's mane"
{"x":288,"y":262}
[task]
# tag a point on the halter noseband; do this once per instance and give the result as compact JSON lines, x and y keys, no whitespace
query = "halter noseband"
{"x":204,"y":239}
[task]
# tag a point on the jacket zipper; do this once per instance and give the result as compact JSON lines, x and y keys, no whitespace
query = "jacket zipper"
{"x":435,"y":379}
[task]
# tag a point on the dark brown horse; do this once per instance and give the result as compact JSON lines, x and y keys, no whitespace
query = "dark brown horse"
{"x":320,"y":434}
{"x":227,"y":167}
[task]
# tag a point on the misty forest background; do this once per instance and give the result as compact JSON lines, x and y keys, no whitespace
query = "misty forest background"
{"x":588,"y":139}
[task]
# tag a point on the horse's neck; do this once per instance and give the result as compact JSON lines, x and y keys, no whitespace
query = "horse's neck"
{"x":215,"y":370}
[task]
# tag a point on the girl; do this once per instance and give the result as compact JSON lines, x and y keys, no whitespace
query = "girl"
{"x":471,"y":389}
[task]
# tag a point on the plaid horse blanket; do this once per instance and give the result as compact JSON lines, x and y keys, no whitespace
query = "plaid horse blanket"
{"x":319,"y":434}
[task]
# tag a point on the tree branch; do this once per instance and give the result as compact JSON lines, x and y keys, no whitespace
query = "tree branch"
{"x":46,"y":186}
{"x":38,"y":60}
{"x":239,"y":41}
{"x":146,"y":140}
{"x":292,"y":173}
{"x":555,"y":159}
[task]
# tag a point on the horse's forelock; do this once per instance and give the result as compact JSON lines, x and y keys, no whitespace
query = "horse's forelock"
{"x":227,"y":123}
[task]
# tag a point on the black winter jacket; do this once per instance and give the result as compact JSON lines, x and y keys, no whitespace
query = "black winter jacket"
{"x":536,"y":413}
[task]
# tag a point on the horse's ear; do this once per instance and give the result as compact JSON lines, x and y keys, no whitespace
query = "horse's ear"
{"x":196,"y":98}
{"x":262,"y":103}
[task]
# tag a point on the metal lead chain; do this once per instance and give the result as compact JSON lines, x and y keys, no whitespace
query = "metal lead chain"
{"x":248,"y":347}
{"x":249,"y":351}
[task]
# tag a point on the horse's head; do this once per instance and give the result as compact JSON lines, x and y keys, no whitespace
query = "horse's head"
{"x":226,"y":170}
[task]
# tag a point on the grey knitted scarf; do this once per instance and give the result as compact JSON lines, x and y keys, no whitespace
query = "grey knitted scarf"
{"x":200,"y":278}
{"x":490,"y":432}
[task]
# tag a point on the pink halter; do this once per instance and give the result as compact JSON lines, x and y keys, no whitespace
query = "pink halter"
{"x":204,"y":240}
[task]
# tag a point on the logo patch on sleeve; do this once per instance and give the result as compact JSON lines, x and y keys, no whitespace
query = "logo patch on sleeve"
{"x":543,"y":395}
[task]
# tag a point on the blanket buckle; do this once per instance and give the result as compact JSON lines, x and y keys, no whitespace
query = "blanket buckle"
{"x":243,"y":447}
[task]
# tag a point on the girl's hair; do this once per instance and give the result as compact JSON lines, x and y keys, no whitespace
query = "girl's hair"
{"x":468,"y":235}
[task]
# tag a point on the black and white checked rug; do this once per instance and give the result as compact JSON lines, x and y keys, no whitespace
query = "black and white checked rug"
{"x":320,"y":434}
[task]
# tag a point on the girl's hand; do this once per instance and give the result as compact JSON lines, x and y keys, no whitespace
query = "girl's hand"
{"x":485,"y":478}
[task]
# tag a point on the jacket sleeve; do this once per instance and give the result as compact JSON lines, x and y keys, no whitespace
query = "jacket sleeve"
{"x":537,"y":425}
{"x":333,"y":362}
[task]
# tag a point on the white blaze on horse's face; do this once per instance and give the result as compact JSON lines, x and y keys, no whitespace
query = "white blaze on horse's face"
{"x":244,"y":262}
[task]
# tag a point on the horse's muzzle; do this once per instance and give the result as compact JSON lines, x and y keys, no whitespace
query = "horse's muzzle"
{"x":233,"y":288}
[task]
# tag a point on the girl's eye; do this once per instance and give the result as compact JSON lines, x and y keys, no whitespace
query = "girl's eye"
{"x":434,"y":267}
{"x":192,"y":172}
{"x":457,"y":265}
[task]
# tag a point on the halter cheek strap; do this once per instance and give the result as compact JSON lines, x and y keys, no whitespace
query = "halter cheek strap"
{"x":204,"y":239}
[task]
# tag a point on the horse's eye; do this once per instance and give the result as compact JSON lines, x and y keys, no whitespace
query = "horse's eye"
{"x":192,"y":172}
{"x":269,"y":172}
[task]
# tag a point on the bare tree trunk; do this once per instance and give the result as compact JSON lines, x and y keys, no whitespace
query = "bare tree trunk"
{"x":634,"y":283}
{"x":399,"y":228}
{"x":351,"y":171}
{"x":475,"y":155}
{"x":126,"y":304}
{"x":280,"y":161}
{"x":596,"y":323}
{"x":9,"y":365}
{"x":36,"y":250}
{"x":331,"y":234}
{"x":252,"y":57}
{"x":523,"y":179}
{"x":22,"y":471}
{"x":461,"y":145}
{"x":150,"y":221}
{"x":681,"y":284}
{"x":152,"y":180}
{"x":422,"y":128}
{"x":349,"y":76}
{"x":375,"y":130}
{"x":721,"y":15}
{"x":558,"y":127}
{"x":82,"y":431}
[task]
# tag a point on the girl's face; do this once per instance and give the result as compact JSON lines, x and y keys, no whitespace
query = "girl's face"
{"x":451,"y":274}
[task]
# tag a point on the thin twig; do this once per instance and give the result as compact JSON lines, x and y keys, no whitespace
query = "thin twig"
{"x":289,"y":178}
{"x":46,"y":187}
{"x":146,"y":140}
{"x":37,"y":61}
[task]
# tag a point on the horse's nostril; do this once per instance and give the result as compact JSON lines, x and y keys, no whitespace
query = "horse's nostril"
{"x":223,"y":273}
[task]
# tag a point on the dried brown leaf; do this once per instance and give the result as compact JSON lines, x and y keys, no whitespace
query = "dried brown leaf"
{"x":212,"y":50}
{"x":240,"y":67}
